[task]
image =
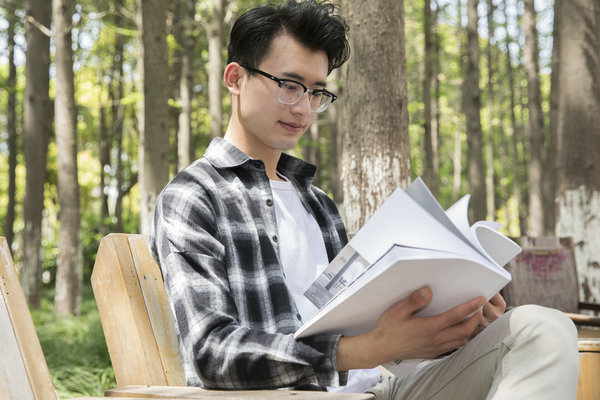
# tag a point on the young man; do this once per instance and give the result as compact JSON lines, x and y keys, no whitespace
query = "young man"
{"x":241,"y":232}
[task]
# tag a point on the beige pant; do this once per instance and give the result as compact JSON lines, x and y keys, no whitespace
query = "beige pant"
{"x":528,"y":353}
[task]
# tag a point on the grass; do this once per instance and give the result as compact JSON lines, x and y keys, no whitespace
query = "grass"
{"x":74,"y":348}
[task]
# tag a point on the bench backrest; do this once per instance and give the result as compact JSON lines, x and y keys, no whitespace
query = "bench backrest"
{"x":544,"y":273}
{"x":24,"y":374}
{"x":137,"y":321}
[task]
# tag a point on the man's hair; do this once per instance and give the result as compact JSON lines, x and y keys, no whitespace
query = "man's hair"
{"x":311,"y":22}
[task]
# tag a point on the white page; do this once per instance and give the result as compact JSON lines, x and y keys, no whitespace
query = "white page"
{"x":401,"y":220}
{"x":419,"y":192}
{"x":452,"y":278}
{"x":496,"y":245}
{"x":458,"y":213}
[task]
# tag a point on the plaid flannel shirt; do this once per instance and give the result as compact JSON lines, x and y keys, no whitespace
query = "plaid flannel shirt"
{"x":215,"y":239}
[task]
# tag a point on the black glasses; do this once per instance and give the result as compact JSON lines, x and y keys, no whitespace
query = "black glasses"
{"x":290,"y":92}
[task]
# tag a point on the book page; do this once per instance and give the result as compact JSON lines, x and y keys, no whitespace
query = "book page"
{"x":342,"y":271}
{"x":453,"y":278}
{"x":422,"y":195}
{"x":400,"y":220}
{"x":496,"y":245}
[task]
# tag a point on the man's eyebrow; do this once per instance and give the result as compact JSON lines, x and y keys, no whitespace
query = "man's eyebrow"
{"x":300,"y":78}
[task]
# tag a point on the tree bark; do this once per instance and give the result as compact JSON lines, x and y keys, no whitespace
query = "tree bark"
{"x":11,"y":124}
{"x":335,"y":143}
{"x":117,"y":109}
{"x":536,"y":120}
{"x":376,"y":156}
{"x":515,"y":131}
{"x":185,"y":149}
{"x":69,"y":271}
{"x":552,"y":162}
{"x":457,"y":157}
{"x":430,"y":173}
{"x":578,"y":122}
{"x":489,"y":143}
{"x":472,"y":106}
{"x":104,"y":147}
{"x":36,"y":129}
{"x":154,"y":143}
{"x":215,"y":71}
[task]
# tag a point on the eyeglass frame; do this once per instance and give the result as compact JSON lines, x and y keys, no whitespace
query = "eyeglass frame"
{"x":280,"y":82}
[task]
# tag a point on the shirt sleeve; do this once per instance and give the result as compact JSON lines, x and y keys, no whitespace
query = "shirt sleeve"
{"x":219,"y":351}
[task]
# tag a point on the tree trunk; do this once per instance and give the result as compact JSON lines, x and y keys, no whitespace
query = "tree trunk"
{"x":489,"y":143}
{"x":154,"y":144}
{"x":578,"y":122}
{"x":69,"y":272}
{"x":552,"y":162}
{"x":11,"y":124}
{"x":515,"y":131}
{"x":376,"y":156}
{"x":185,"y":150}
{"x":335,"y":141}
{"x":457,"y":157}
{"x":104,"y":145}
{"x":536,"y":120}
{"x":430,"y":172}
{"x":117,"y":109}
{"x":472,"y":105}
{"x":215,"y":71}
{"x":311,"y":151}
{"x":37,"y":125}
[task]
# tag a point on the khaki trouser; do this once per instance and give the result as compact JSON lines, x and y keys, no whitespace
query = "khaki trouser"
{"x":528,"y":353}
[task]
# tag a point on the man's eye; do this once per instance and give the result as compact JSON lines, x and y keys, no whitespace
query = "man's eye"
{"x":291,"y":86}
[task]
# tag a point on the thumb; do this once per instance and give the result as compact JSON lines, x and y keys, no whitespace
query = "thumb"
{"x":416,"y":301}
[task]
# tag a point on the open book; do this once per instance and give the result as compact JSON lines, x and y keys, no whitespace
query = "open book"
{"x":408,"y":243}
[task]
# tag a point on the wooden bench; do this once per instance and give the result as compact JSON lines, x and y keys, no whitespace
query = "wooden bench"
{"x":140,"y":328}
{"x":24,"y":374}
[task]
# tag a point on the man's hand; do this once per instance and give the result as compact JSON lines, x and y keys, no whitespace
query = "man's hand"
{"x":492,"y":310}
{"x":400,"y":334}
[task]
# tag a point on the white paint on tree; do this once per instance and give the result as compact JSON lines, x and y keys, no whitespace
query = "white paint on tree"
{"x":579,"y":217}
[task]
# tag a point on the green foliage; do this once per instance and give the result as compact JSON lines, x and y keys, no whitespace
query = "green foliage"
{"x":74,"y":348}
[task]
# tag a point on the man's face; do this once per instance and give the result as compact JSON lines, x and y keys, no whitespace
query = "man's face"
{"x":267,"y":123}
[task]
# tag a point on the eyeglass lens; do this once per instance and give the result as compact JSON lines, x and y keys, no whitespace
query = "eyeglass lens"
{"x":290,"y":93}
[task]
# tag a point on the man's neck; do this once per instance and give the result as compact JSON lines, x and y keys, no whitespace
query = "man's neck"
{"x":269,"y":157}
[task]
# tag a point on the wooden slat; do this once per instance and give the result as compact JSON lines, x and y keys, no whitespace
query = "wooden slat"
{"x":178,"y":392}
{"x":588,"y":386}
{"x":125,"y":322}
{"x":159,"y":312}
{"x":14,"y":382}
{"x":584,"y":319}
{"x":17,"y":329}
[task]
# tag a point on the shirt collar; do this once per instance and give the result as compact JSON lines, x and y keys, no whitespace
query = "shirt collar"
{"x":222,"y":154}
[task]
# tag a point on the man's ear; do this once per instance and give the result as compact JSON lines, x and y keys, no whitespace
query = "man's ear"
{"x":232,"y":77}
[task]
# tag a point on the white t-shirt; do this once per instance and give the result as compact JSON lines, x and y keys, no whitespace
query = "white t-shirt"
{"x":304,"y":257}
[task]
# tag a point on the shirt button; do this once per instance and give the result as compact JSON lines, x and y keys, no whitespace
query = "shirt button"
{"x":269,"y":202}
{"x":299,"y":317}
{"x":275,"y":238}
